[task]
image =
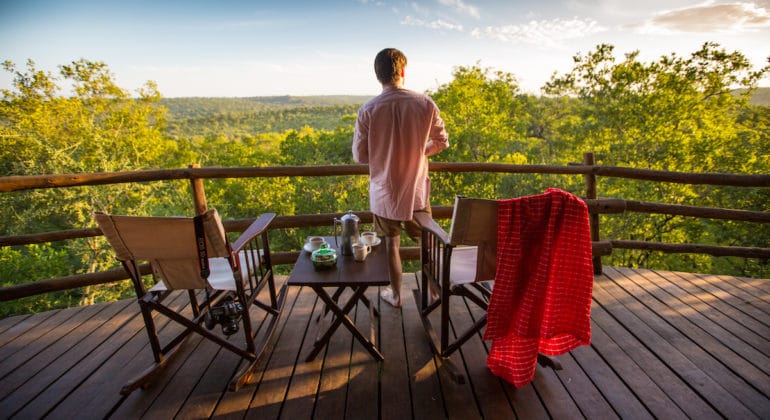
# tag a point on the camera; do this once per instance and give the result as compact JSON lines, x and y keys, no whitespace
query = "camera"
{"x":227,"y":314}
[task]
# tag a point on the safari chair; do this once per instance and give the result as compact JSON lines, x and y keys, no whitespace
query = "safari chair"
{"x":222,"y":280}
{"x":460,"y":264}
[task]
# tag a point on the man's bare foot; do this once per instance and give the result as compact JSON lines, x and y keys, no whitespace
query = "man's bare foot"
{"x":388,"y":296}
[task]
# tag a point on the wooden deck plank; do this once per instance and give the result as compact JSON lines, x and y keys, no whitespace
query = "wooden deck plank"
{"x":300,"y":395}
{"x":214,"y":370}
{"x":232,"y":405}
{"x":734,"y":296}
{"x":395,"y":404}
{"x":303,"y":390}
{"x":177,"y":389}
{"x":698,"y":286}
{"x":459,"y":400}
{"x":759,"y":288}
{"x":677,"y":353}
{"x":203,"y":399}
{"x":724,"y":315}
{"x":524,"y":401}
{"x":36,"y":339}
{"x":122,"y":356}
{"x":32,"y":378}
{"x":332,"y":391}
{"x":425,"y":387}
{"x":720,"y":342}
{"x":363,"y":387}
{"x":487,"y":389}
{"x":556,"y":399}
{"x":743,"y":380}
{"x":12,"y":327}
{"x":142,"y":400}
{"x":665,"y":345}
{"x":661,"y":389}
{"x":9,"y":322}
{"x":29,"y":369}
{"x":290,"y":350}
{"x":641,"y":382}
{"x":585,"y":391}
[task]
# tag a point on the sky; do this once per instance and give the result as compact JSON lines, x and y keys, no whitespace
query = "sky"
{"x":221,"y":48}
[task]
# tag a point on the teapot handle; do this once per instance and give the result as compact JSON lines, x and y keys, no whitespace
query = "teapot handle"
{"x":337,"y":222}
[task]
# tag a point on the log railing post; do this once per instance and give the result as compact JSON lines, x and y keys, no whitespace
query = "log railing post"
{"x":593,"y":217}
{"x":199,"y":194}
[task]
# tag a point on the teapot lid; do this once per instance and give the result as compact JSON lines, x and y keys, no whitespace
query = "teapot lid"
{"x":350,"y":216}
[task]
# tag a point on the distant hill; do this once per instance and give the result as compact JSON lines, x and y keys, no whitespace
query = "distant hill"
{"x":200,"y":107}
{"x":761,"y":96}
{"x":203,"y":107}
{"x":235,"y":117}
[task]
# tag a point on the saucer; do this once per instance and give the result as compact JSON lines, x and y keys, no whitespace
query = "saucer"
{"x":307,"y":247}
{"x":375,"y":243}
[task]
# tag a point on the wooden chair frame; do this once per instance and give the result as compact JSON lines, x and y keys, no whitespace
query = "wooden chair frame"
{"x":252,"y":271}
{"x":471,"y":244}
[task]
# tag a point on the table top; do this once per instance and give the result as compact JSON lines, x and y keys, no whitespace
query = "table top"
{"x":373,"y":271}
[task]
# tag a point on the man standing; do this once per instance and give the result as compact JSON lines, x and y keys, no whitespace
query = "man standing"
{"x":395,"y":133}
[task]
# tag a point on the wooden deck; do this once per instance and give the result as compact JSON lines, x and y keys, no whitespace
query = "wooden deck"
{"x":665,"y":345}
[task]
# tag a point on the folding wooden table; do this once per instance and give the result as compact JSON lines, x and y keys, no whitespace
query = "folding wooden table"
{"x":347,"y":273}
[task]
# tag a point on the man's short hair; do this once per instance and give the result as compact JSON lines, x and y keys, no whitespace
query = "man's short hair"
{"x":388,"y":65}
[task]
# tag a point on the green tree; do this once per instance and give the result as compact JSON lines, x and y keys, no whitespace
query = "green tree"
{"x":677,"y":113}
{"x":481,"y":113}
{"x":485,"y":118}
{"x":98,"y":127}
{"x":312,"y":195}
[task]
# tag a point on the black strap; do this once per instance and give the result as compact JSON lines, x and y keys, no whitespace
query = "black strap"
{"x":200,"y":243}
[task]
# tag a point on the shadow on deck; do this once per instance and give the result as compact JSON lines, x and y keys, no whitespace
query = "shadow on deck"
{"x":666,"y":345}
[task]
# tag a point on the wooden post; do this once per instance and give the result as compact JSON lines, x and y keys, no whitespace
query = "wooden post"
{"x":199,"y":194}
{"x":593,"y":218}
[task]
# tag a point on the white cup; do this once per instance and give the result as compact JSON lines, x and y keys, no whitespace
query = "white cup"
{"x":360,"y":251}
{"x":315,"y":242}
{"x":369,"y":238}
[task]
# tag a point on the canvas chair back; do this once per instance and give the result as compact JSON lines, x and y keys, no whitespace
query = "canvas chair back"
{"x":474,"y":222}
{"x":167,"y":243}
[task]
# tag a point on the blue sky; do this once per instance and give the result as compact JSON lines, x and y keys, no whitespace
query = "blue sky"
{"x":286,"y":47}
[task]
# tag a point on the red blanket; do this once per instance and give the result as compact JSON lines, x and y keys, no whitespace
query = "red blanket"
{"x":542,"y":294}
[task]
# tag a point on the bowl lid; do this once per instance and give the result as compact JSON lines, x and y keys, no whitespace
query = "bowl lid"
{"x":324,"y":253}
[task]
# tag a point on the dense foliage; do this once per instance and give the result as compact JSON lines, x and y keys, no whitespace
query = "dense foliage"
{"x":690,"y":114}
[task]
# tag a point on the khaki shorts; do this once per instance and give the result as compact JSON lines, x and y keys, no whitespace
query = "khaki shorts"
{"x":390,"y":228}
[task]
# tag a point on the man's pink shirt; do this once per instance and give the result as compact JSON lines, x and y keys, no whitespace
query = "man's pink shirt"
{"x":395,"y":133}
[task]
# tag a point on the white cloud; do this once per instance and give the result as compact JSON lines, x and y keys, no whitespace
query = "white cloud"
{"x":434,"y":24}
{"x":548,"y":33}
{"x":419,"y":9}
{"x":374,"y":2}
{"x":462,"y":8}
{"x":709,"y":18}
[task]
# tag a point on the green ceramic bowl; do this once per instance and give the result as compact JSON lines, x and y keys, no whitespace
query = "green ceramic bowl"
{"x":324,"y":257}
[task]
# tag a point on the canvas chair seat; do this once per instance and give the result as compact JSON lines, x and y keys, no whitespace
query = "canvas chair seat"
{"x":462,"y":268}
{"x":221,"y":276}
{"x":177,"y":250}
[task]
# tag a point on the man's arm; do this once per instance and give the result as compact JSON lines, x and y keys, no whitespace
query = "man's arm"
{"x":439,"y":139}
{"x":361,"y":140}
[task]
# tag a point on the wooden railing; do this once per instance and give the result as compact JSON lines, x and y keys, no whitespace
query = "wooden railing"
{"x":587,"y":168}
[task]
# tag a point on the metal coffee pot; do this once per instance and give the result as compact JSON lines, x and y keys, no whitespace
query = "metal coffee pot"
{"x":349,"y":223}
